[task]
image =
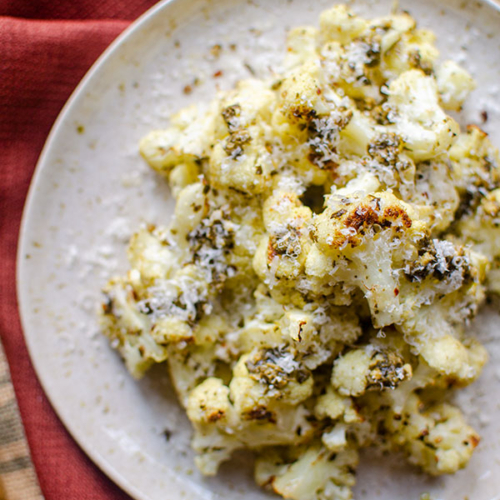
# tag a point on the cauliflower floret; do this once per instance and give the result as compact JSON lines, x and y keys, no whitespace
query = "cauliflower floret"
{"x":209,"y":402}
{"x":222,"y":427}
{"x":452,"y":358}
{"x":477,"y":165}
{"x":449,"y":291}
{"x":357,"y":135}
{"x":435,"y":186}
{"x":393,"y":28}
{"x":183,"y":175}
{"x":449,"y":274}
{"x":314,"y":474}
{"x":404,"y":47}
{"x":454,"y":85}
{"x":169,"y":329}
{"x":129,"y":329}
{"x":300,"y":96}
{"x":268,"y":374}
{"x":360,"y":56}
{"x":316,"y":263}
{"x":184,"y":296}
{"x":349,"y":375}
{"x":353,"y":67}
{"x":241,"y":162}
{"x":190,"y":367}
{"x":360,"y":370}
{"x":301,"y":46}
{"x":282,"y":252}
{"x":211,"y":245}
{"x":481,"y":231}
{"x":426,"y":130}
{"x":191,"y":208}
{"x":186,"y":141}
{"x":251,"y":103}
{"x":150,"y":255}
{"x":434,"y":437}
{"x":213,"y":447}
{"x":335,"y":439}
{"x":250,"y":398}
{"x":317,"y":334}
{"x":340,"y":24}
{"x":351,"y":219}
{"x":333,"y":406}
{"x":145,"y":321}
{"x":393,"y":168}
{"x":358,"y":231}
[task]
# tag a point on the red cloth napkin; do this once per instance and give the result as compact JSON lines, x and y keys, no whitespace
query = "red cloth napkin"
{"x":46,"y":46}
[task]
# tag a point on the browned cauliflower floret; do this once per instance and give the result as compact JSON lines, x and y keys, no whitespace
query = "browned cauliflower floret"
{"x":373,"y":234}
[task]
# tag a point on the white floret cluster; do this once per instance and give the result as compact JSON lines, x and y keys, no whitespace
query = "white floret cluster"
{"x":333,"y":235}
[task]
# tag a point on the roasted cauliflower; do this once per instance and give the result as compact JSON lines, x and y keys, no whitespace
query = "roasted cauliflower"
{"x":334,"y":233}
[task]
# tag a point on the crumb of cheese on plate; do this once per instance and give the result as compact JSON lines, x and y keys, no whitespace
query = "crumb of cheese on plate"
{"x":334,"y":233}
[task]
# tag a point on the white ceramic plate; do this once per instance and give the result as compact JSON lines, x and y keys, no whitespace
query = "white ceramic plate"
{"x":91,"y":190}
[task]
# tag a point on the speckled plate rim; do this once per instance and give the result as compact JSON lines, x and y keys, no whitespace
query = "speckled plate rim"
{"x":42,"y":164}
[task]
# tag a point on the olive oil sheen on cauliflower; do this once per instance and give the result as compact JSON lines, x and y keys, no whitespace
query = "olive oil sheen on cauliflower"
{"x":334,"y":233}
